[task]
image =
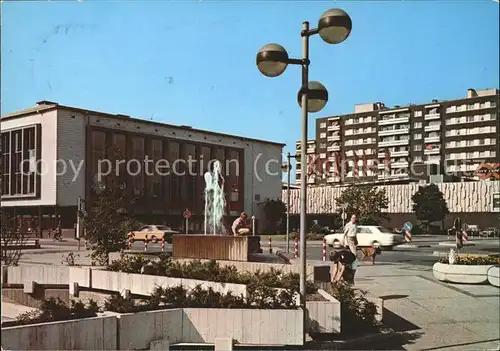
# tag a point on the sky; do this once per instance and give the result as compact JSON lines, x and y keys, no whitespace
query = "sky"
{"x":193,"y":62}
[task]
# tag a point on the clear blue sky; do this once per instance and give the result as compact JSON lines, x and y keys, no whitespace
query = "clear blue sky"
{"x":193,"y":63}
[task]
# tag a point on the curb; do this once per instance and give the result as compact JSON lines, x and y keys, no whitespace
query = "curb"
{"x":453,"y":244}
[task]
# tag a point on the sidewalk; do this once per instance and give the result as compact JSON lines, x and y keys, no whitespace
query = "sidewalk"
{"x":432,"y":314}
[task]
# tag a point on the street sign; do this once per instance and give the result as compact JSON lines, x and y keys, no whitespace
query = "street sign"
{"x":496,"y":202}
{"x":187,"y":214}
{"x":407,"y":226}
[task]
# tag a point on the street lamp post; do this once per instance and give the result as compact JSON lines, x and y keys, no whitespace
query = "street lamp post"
{"x":334,"y":26}
{"x":289,"y":168}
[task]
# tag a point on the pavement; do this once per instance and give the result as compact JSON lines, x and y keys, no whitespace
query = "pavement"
{"x":11,"y":309}
{"x":432,"y":315}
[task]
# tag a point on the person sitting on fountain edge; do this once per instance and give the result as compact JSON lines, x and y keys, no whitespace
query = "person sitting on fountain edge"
{"x":239,"y":225}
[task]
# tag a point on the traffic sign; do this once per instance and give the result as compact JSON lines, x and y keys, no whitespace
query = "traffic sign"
{"x":407,"y":226}
{"x":187,"y":214}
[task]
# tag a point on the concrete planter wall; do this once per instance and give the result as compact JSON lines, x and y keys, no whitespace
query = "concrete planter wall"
{"x":141,"y":284}
{"x":494,"y":276}
{"x":83,"y":334}
{"x":40,"y":274}
{"x":137,"y":331}
{"x":323,"y":316}
{"x":459,"y":273}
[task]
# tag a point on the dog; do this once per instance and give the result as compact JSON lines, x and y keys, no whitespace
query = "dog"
{"x":367,"y":252}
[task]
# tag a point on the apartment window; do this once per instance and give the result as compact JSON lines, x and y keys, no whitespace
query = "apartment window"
{"x":322,"y":125}
{"x":6,"y":163}
{"x":322,"y":135}
{"x":417,"y":136}
{"x":156,"y":188}
{"x":417,"y":124}
{"x":417,"y":148}
{"x":322,"y":145}
{"x":135,"y":169}
{"x":417,"y":159}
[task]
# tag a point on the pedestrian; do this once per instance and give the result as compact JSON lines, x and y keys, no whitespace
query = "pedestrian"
{"x":344,"y":267}
{"x":239,"y":226}
{"x":350,"y":234}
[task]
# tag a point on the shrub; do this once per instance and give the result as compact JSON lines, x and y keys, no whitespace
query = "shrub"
{"x":52,"y":310}
{"x":209,"y":271}
{"x":474,"y":260}
{"x":358,"y":314}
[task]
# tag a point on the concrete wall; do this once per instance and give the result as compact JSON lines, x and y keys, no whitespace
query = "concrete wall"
{"x":141,"y":284}
{"x":314,"y":273}
{"x":85,"y":334}
{"x":139,"y":330}
{"x":33,"y":300}
{"x":467,"y":197}
{"x":48,"y":122}
{"x":53,"y":275}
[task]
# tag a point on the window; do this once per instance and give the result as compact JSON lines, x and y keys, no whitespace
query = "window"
{"x":120,"y":143}
{"x":188,"y":176}
{"x":417,"y":159}
{"x":418,"y":125}
{"x":417,"y":148}
{"x":322,"y":125}
{"x":136,"y":171}
{"x":6,"y":158}
{"x":322,"y":145}
{"x":156,"y":188}
{"x":174,"y":186}
{"x":417,"y":136}
{"x":322,"y":135}
{"x":418,"y":113}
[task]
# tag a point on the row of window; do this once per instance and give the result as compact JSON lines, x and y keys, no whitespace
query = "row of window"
{"x":469,"y":155}
{"x":472,"y":119}
{"x":19,"y":161}
{"x":474,"y":142}
{"x":469,"y":131}
{"x":468,"y":107}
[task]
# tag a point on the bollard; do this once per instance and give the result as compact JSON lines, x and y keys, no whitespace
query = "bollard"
{"x":270,"y":246}
{"x":465,"y":237}
{"x":408,"y":236}
{"x":163,"y":244}
{"x":296,"y":247}
{"x":324,"y":250}
{"x":146,"y":244}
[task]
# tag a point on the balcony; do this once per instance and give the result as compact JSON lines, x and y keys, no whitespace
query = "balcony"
{"x":432,"y":128}
{"x":393,"y":176}
{"x":333,"y":148}
{"x":333,"y":179}
{"x":395,"y":131}
{"x":399,"y":164}
{"x":394,"y":120}
{"x":311,"y":150}
{"x":334,"y":127}
{"x":432,"y":116}
{"x":393,"y":143}
{"x":432,"y":139}
{"x":433,"y":151}
{"x":333,"y":137}
{"x":394,"y":154}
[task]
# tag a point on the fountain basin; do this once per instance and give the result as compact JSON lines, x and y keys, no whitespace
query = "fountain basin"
{"x":215,"y":247}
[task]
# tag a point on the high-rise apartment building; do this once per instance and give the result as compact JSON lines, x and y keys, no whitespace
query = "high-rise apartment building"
{"x":457,"y":139}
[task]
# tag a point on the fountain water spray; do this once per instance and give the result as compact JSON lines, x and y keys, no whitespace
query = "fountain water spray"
{"x":215,"y":202}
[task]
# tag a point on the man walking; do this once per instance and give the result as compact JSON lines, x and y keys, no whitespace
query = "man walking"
{"x":350,"y":234}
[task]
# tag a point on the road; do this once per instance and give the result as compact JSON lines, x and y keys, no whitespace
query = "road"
{"x":423,"y":250}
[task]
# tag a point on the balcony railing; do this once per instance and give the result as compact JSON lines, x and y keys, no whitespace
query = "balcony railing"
{"x":434,"y":151}
{"x":333,"y":138}
{"x":393,"y":143}
{"x":432,"y":139}
{"x":333,"y":127}
{"x":311,"y":150}
{"x":432,"y":128}
{"x":394,"y":154}
{"x":431,"y":116}
{"x":395,"y":120}
{"x":394,"y":131}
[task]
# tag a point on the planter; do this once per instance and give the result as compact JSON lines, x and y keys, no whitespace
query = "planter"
{"x":323,"y":316}
{"x":141,"y":284}
{"x":494,"y":276}
{"x":462,"y":274}
{"x":136,"y":331}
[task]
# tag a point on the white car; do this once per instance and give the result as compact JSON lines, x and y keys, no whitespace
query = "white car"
{"x":369,"y":236}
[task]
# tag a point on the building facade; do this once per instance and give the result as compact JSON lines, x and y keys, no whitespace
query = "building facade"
{"x":53,"y":154}
{"x":455,"y":139}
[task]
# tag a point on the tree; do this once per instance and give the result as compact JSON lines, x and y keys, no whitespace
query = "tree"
{"x":12,"y":240}
{"x":366,"y":202}
{"x":429,"y":204}
{"x":107,"y":223}
{"x":274,"y":211}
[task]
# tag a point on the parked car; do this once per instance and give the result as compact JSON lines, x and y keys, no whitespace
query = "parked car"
{"x":369,"y":235}
{"x":490,"y":232}
{"x":152,"y":232}
{"x":472,"y":229}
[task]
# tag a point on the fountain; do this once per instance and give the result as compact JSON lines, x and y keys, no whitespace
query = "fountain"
{"x":215,"y":202}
